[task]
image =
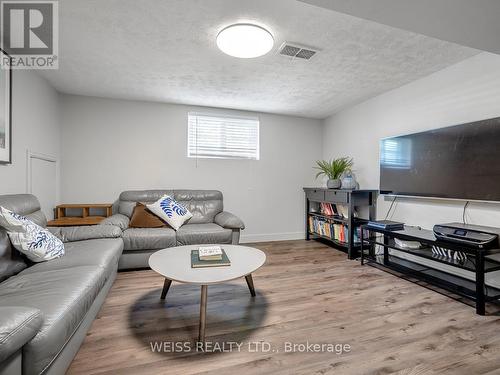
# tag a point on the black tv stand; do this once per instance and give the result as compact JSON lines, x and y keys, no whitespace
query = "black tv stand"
{"x":478,"y":261}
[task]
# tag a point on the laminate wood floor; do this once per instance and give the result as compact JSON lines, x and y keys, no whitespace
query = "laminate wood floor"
{"x":306,"y":292}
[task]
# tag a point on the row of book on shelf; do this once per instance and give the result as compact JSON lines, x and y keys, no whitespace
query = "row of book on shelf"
{"x":331,"y":209}
{"x":335,"y":231}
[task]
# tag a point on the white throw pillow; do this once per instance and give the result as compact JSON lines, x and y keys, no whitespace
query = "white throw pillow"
{"x":171,"y":211}
{"x":37,"y":243}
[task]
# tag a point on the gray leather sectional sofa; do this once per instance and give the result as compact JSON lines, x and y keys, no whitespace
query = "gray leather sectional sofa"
{"x":209,"y":224}
{"x":47,"y":308}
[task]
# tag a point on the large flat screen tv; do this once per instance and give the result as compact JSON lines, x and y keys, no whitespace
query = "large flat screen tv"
{"x":457,"y":162}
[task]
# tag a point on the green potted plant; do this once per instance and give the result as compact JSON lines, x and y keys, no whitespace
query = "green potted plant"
{"x":334,"y":169}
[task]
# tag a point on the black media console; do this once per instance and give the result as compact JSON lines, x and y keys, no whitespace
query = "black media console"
{"x":477,"y":262}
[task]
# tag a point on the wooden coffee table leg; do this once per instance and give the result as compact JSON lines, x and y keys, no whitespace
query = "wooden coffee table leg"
{"x":249,"y":280}
{"x":203,"y":313}
{"x":166,"y":287}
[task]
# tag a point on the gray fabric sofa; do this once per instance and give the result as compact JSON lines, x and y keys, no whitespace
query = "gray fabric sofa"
{"x":210,"y":224}
{"x":47,"y":308}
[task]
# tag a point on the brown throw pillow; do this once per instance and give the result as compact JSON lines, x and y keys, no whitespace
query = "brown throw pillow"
{"x":143,"y":218}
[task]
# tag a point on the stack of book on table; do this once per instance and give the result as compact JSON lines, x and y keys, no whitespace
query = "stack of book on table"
{"x":209,"y":256}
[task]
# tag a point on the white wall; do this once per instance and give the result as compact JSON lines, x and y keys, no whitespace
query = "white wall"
{"x":465,"y":92}
{"x":35,"y":120}
{"x":113,"y":145}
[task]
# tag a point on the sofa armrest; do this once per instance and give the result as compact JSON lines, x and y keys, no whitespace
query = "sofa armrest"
{"x":118,"y":220}
{"x":72,"y":234}
{"x":18,"y":325}
{"x":228,"y":220}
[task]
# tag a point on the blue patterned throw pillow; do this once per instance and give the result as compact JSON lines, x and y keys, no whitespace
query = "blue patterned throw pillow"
{"x":37,"y":243}
{"x":171,"y":211}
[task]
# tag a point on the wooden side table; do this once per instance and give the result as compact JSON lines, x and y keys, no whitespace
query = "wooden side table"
{"x":62,"y":220}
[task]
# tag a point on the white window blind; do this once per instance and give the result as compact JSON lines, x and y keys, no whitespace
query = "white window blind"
{"x":229,"y":137}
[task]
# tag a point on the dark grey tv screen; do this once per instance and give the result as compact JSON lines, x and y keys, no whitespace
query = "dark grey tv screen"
{"x":457,"y":162}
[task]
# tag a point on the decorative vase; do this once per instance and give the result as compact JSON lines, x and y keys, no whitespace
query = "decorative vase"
{"x":333,"y":184}
{"x":349,"y":181}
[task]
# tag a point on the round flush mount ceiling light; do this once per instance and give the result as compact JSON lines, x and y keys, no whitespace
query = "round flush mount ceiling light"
{"x":245,"y":41}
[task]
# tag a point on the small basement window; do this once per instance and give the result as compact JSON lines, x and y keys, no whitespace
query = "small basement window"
{"x":223,"y":137}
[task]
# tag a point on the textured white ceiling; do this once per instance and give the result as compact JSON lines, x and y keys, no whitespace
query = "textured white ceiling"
{"x":470,"y":23}
{"x":164,"y":50}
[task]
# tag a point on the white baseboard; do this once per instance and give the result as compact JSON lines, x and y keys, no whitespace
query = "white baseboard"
{"x":247,"y":238}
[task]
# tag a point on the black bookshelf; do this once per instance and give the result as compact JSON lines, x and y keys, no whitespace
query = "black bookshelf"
{"x":360,"y":202}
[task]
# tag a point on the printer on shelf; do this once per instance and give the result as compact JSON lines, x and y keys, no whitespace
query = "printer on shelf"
{"x":467,"y":234}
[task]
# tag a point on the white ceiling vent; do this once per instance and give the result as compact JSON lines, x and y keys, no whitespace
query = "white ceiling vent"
{"x":296,"y":50}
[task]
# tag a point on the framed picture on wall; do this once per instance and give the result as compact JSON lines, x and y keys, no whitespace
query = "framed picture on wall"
{"x":5,"y":109}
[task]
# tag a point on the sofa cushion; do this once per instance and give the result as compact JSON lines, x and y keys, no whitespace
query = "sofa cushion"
{"x":83,"y":233}
{"x":148,"y":238}
{"x":203,"y":204}
{"x":11,"y":261}
{"x":64,"y":296}
{"x":209,"y":233}
{"x":34,"y":241}
{"x":26,"y":205}
{"x":128,"y":199}
{"x":171,"y":211}
{"x":103,"y":253}
{"x":143,"y":218}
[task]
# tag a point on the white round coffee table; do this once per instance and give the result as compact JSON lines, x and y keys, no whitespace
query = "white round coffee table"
{"x":174,"y":264}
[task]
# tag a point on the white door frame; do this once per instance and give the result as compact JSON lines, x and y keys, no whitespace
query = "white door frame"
{"x":30,"y":155}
